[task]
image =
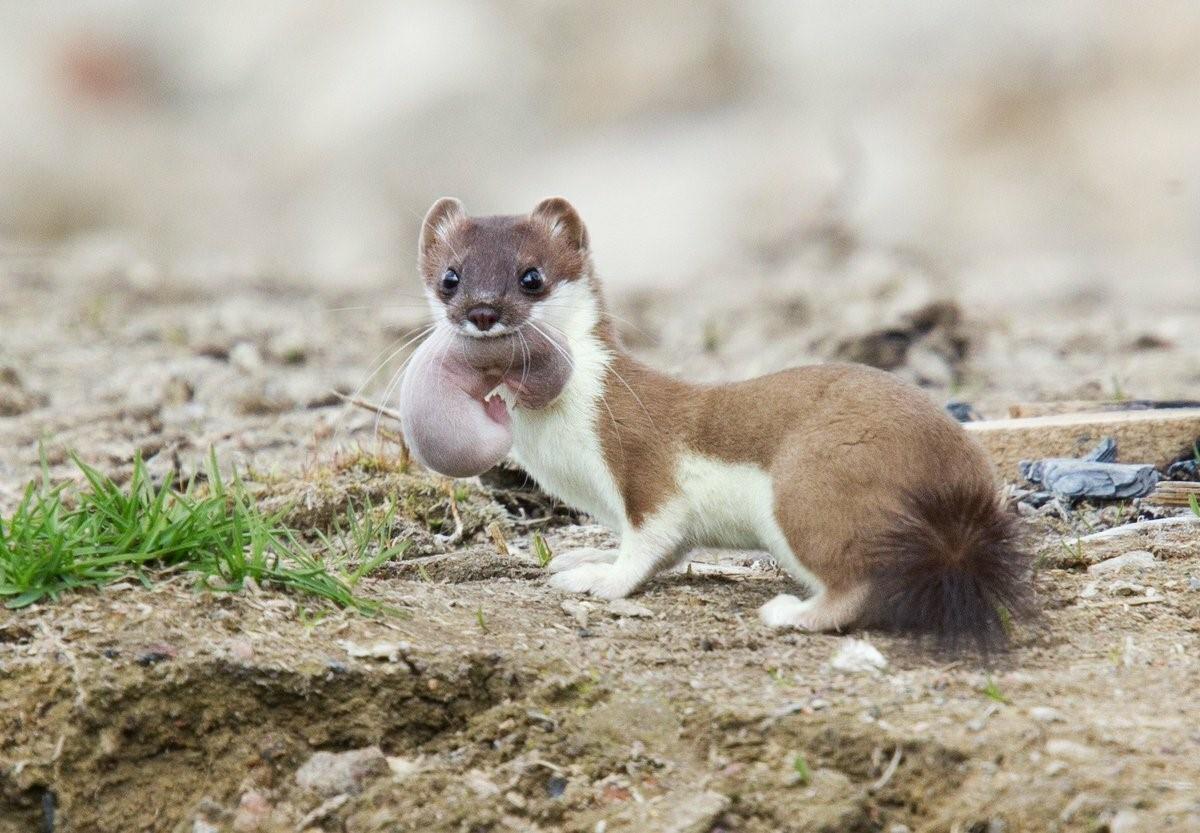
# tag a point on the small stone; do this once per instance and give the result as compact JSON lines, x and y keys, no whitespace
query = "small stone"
{"x":556,"y":786}
{"x":386,"y":651}
{"x":1070,"y":750}
{"x":1134,"y":560}
{"x":515,"y":799}
{"x":241,"y":650}
{"x":1090,"y":590}
{"x":403,"y":768}
{"x":1193,"y":583}
{"x":1125,"y":588}
{"x":288,"y":347}
{"x":858,"y":656}
{"x":578,"y":611}
{"x":694,"y":813}
{"x":1045,"y":714}
{"x":331,"y":773}
{"x":252,"y":813}
{"x":1125,"y":821}
{"x":626,"y":608}
{"x":480,"y":784}
{"x":203,"y":826}
{"x":245,"y":357}
{"x":899,"y":828}
{"x":324,"y":809}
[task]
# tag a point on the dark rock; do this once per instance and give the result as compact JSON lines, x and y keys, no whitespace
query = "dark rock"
{"x":556,"y":786}
{"x":963,"y":412}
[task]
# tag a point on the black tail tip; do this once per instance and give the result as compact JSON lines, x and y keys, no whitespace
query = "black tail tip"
{"x":951,"y":566}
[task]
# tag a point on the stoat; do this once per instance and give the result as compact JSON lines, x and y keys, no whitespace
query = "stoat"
{"x":857,"y":485}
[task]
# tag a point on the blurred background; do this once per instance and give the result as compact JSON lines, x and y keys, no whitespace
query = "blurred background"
{"x":209,"y":211}
{"x":1021,"y":148}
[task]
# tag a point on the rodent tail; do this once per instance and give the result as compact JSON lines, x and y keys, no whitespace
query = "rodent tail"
{"x":950,"y":565}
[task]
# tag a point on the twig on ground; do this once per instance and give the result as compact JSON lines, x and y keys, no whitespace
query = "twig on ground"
{"x":366,"y":405}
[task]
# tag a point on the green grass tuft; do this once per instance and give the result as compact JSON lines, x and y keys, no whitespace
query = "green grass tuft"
{"x":541,"y":550}
{"x":992,"y":692}
{"x":60,"y":539}
{"x":803,"y":773}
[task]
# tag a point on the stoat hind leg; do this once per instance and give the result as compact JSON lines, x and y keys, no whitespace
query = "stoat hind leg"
{"x":826,"y":611}
{"x":644,"y":551}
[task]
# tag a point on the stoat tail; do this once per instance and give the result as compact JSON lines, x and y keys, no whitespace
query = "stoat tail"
{"x":950,"y":564}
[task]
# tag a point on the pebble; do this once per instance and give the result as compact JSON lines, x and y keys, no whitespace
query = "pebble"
{"x":324,"y":809}
{"x":480,"y":784}
{"x":332,"y":773}
{"x":1045,"y":714}
{"x":1125,"y":588}
{"x":858,"y":656}
{"x":1070,"y":750}
{"x":203,"y":826}
{"x":252,"y":813}
{"x":633,"y":610}
{"x":387,"y":651}
{"x":579,"y":611}
{"x":241,"y":650}
{"x":1135,"y":560}
{"x":245,"y":357}
{"x":556,"y":786}
{"x":403,"y":768}
{"x":1193,"y":583}
{"x":1125,"y":821}
{"x":694,"y":813}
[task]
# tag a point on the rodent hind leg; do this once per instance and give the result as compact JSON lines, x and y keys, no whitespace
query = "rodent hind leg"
{"x":645,"y":551}
{"x":826,"y":611}
{"x":584,"y":555}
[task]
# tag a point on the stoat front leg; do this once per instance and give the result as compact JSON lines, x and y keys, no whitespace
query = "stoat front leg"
{"x":571,"y":559}
{"x":644,"y":551}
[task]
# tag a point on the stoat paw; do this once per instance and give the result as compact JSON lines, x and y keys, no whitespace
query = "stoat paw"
{"x":600,"y":580}
{"x":585,"y":555}
{"x":785,"y":611}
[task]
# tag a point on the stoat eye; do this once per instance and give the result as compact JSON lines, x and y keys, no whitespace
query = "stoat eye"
{"x":450,"y":281}
{"x":532,"y":281}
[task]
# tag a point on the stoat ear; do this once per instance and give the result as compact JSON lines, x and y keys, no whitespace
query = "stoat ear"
{"x":563,"y":221}
{"x":438,"y":221}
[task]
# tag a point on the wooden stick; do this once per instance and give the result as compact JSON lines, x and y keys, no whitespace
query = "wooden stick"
{"x":1174,"y":493}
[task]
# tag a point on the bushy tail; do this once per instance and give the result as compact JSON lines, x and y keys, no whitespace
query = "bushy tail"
{"x":950,"y":565}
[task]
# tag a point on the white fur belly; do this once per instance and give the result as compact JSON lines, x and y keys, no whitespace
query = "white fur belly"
{"x":732,"y":506}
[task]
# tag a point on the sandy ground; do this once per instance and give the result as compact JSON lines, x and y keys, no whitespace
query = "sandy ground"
{"x":490,"y":705}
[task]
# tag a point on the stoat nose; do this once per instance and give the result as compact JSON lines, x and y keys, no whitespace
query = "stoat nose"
{"x":483,"y":317}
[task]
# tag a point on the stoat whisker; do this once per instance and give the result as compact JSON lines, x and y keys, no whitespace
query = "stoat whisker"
{"x":525,"y":353}
{"x":378,"y":365}
{"x":571,"y":364}
{"x":621,"y":379}
{"x":395,"y":380}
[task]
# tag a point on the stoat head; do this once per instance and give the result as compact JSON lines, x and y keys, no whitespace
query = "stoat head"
{"x":486,"y":276}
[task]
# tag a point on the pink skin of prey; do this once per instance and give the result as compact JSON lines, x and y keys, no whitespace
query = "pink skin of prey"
{"x":449,"y":425}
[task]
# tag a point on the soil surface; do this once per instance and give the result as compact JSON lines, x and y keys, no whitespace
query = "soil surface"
{"x":493,"y":703}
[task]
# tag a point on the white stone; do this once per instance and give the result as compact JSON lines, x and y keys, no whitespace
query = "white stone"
{"x":633,"y":610}
{"x":1133,"y":560}
{"x":857,"y":656}
{"x":1045,"y":714}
